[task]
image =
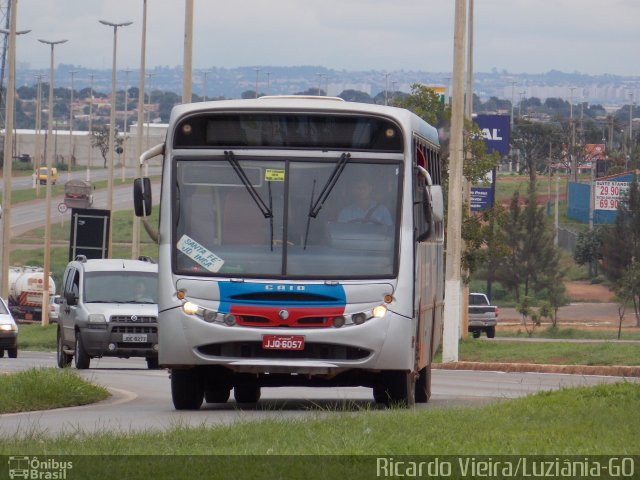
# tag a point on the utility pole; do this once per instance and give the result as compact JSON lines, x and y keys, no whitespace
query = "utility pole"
{"x":8,"y":150}
{"x":72,"y":72}
{"x":464,"y":327}
{"x":135,"y":242}
{"x":38,"y":147}
{"x":572,"y":156}
{"x":188,"y":51}
{"x":47,"y":225}
{"x":125,"y":124}
{"x":91,"y":75}
{"x":453,"y":264}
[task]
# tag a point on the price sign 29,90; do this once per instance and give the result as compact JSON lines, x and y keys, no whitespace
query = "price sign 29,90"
{"x":609,"y":193}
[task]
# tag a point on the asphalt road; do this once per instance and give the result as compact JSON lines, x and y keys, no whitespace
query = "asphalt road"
{"x":141,"y":398}
{"x":29,"y":215}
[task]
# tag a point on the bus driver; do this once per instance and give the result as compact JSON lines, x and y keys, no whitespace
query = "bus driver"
{"x":365,"y":209}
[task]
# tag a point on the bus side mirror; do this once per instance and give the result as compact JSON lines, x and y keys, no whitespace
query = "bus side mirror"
{"x":437,"y":202}
{"x":142,"y":197}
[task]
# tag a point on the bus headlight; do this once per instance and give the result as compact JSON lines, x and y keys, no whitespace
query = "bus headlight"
{"x":379,"y":311}
{"x":190,"y":308}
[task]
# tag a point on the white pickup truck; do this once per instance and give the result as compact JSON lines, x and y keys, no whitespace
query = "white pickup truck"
{"x":482,"y":315}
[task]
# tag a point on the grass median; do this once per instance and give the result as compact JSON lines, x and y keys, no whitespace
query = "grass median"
{"x":590,"y":420}
{"x":553,"y":353}
{"x":44,"y":389}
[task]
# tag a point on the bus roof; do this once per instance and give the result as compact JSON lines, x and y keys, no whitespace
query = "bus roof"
{"x":309,"y":104}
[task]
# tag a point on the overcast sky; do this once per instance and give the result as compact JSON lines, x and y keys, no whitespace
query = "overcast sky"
{"x":531,"y":36}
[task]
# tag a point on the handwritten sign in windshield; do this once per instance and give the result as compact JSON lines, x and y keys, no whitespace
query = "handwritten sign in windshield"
{"x":199,"y":254}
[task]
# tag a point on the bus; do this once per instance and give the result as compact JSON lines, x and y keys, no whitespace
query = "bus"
{"x":300,"y":244}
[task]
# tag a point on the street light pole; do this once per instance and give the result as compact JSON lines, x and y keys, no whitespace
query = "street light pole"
{"x":135,"y":241}
{"x":112,"y":121}
{"x":125,"y":123}
{"x":188,"y":52}
{"x":38,"y":150}
{"x":8,"y":151}
{"x":91,"y":75}
{"x":72,"y":72}
{"x":47,"y":225}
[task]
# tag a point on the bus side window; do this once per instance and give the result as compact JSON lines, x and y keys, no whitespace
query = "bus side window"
{"x":421,"y":209}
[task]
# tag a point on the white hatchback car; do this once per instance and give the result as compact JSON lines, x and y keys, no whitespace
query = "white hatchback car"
{"x":54,"y":308}
{"x":8,"y":332}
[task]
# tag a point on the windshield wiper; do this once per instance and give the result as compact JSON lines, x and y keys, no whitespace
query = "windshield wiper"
{"x":315,"y":207}
{"x":264,"y":209}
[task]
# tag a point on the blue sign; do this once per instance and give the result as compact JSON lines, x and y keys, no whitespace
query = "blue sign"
{"x":481,"y":198}
{"x":496,"y":131}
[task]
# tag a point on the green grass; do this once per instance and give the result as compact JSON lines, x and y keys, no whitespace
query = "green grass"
{"x":35,"y":337}
{"x":583,"y":421}
{"x":572,"y":333}
{"x":560,"y":353}
{"x":46,"y":388}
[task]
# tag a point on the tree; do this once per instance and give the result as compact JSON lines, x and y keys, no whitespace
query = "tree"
{"x":587,"y":251}
{"x":532,"y":141}
{"x":532,"y":260}
{"x":621,"y":247}
{"x":425,"y":103}
{"x":355,"y":96}
{"x":100,"y":140}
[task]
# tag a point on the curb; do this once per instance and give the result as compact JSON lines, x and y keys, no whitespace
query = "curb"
{"x":607,"y":371}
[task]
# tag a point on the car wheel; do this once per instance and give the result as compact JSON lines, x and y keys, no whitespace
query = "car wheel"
{"x":81,"y":357}
{"x":187,"y":391}
{"x":152,"y":363}
{"x":64,"y":359}
{"x":476,"y":333}
{"x":1,"y":353}
{"x":491,"y":332}
{"x":423,"y":385}
{"x":13,"y":352}
{"x":246,"y":393}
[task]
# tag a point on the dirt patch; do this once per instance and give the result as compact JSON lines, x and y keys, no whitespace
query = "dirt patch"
{"x":588,"y":292}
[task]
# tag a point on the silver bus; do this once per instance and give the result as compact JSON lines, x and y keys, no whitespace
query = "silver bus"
{"x":300,"y":243}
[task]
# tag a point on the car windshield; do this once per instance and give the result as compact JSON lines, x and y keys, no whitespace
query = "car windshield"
{"x":121,"y":287}
{"x":300,"y":218}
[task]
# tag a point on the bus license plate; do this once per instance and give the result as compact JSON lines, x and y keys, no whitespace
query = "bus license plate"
{"x":283,"y":342}
{"x":134,"y":337}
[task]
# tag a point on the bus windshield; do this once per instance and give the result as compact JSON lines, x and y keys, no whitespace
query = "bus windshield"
{"x":333,"y":217}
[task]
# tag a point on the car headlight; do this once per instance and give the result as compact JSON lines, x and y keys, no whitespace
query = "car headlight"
{"x":97,"y":318}
{"x":8,"y":327}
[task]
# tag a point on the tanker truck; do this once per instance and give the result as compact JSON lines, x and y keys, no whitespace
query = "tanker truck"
{"x":26,"y":285}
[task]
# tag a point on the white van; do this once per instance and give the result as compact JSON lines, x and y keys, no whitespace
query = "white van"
{"x":109,"y":308}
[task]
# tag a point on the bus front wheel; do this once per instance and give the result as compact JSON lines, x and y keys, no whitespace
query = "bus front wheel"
{"x":423,"y":385}
{"x":397,"y":389}
{"x":187,"y":391}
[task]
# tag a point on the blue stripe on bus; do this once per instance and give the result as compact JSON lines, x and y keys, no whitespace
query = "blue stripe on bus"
{"x":230,"y":291}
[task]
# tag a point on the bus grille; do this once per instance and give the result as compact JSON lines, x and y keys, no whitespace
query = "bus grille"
{"x":255,"y":321}
{"x":312,"y":351}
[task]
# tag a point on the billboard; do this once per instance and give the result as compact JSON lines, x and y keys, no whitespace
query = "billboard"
{"x":608,"y":194}
{"x":496,"y":132}
{"x":481,"y":198}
